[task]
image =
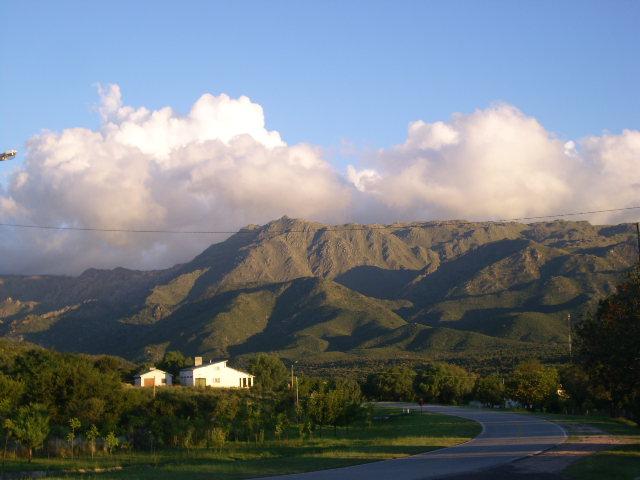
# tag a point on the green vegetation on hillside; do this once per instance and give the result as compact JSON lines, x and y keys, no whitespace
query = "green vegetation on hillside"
{"x":473,"y":293}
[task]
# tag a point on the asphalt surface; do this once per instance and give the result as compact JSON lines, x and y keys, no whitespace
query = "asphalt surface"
{"x":505,"y":437}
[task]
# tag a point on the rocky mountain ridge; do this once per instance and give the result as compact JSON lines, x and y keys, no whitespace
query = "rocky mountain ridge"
{"x":313,"y":291}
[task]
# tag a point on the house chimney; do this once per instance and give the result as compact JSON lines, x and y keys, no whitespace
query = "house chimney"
{"x":197,"y":361}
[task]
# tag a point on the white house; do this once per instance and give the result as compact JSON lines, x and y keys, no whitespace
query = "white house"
{"x":216,"y":375}
{"x":153,"y":377}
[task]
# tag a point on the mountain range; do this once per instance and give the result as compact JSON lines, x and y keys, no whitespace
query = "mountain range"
{"x":317,"y":294}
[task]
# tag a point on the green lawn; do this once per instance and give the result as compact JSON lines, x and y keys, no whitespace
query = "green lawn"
{"x":620,"y":462}
{"x":401,"y":435}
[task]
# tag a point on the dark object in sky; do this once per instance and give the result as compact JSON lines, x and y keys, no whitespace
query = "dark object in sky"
{"x":8,"y":155}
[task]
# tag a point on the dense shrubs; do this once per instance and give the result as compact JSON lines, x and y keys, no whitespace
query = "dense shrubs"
{"x":443,"y":383}
{"x":533,"y":385}
{"x":80,"y":404}
{"x":69,"y":386}
{"x":271,"y":374}
{"x":490,"y":390}
{"x":530,"y":385}
{"x":394,"y":383}
{"x":434,"y":382}
{"x":608,"y":347}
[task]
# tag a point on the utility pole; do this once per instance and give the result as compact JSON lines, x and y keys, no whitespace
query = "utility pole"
{"x":570,"y":342}
{"x":294,"y":389}
{"x":638,"y":233}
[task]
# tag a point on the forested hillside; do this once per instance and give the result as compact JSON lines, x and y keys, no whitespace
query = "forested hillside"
{"x":318,"y":293}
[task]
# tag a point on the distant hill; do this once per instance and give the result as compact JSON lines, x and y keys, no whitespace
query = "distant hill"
{"x":318,"y":293}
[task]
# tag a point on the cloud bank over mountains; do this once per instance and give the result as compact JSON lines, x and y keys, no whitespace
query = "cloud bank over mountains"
{"x":219,"y":168}
{"x":500,"y":163}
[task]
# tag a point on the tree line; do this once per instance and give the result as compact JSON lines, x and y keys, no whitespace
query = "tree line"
{"x":603,"y":375}
{"x":530,"y":385}
{"x":70,"y":404}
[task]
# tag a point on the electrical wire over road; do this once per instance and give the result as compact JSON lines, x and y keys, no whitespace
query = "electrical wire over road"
{"x":330,"y":229}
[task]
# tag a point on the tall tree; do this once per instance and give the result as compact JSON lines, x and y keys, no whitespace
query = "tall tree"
{"x":395,"y":383}
{"x":443,"y":383}
{"x":92,"y":434}
{"x":174,"y":361}
{"x":608,"y":346}
{"x":74,"y":424}
{"x":31,"y":427}
{"x":10,"y":394}
{"x":532,"y":384}
{"x":69,"y":386}
{"x":271,"y":374}
{"x":490,"y":390}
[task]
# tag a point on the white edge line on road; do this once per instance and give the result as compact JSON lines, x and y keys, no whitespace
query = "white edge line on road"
{"x":453,"y":475}
{"x":482,"y":426}
{"x":483,"y":429}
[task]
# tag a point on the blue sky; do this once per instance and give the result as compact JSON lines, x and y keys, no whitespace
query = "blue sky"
{"x":325,"y":72}
{"x":347,"y":76}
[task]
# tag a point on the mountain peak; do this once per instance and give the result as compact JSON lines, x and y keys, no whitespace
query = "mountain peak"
{"x":286,"y":224}
{"x":297,"y":286}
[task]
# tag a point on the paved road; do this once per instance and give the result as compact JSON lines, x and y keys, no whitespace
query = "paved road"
{"x":505,"y":437}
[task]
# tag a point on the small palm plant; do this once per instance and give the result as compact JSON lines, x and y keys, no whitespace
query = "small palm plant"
{"x":74,"y":424}
{"x":111,"y":442}
{"x":92,"y":434}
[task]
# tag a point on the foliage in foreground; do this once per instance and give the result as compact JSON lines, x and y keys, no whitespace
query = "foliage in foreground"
{"x":82,"y":401}
{"x":609,"y":346}
{"x":389,"y":434}
{"x":73,"y":405}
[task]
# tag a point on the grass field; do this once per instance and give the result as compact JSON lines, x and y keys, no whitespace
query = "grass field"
{"x":619,"y":462}
{"x":398,"y":436}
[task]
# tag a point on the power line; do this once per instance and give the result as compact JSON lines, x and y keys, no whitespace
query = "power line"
{"x":115,"y":230}
{"x":571,"y":214}
{"x":330,"y":229}
{"x":638,"y":234}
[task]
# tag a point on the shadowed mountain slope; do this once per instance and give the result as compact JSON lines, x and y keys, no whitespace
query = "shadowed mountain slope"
{"x":312,"y":291}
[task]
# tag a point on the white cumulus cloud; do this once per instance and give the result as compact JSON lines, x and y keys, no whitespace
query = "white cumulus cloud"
{"x":499,"y":163}
{"x":218,"y":167}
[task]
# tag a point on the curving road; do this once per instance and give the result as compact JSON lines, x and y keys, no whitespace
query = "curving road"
{"x":505,"y":437}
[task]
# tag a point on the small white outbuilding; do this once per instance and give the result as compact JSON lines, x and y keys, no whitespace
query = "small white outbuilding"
{"x":153,"y":377}
{"x":216,"y":375}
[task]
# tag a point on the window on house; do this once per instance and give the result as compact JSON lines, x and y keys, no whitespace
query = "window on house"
{"x":216,"y":380}
{"x":201,"y":382}
{"x":164,"y":381}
